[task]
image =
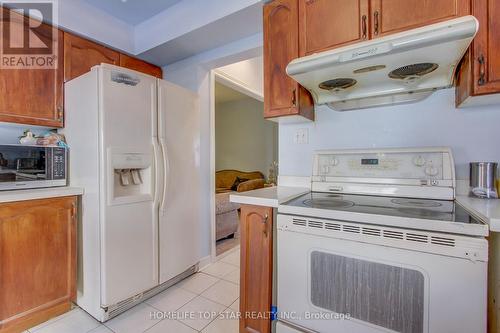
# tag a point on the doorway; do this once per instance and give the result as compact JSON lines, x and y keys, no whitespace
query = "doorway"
{"x":245,"y":145}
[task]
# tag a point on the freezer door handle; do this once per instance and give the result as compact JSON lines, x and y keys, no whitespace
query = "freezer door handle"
{"x":166,"y":172}
{"x":158,"y":174}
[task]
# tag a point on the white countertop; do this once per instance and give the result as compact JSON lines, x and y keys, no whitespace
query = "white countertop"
{"x":488,"y":210}
{"x":268,"y":196}
{"x":39,"y":193}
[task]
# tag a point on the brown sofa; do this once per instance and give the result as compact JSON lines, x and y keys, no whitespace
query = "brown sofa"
{"x":227,"y":220}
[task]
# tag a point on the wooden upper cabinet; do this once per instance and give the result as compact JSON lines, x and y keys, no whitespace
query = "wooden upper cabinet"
{"x":480,"y":69}
{"x":392,"y":16}
{"x":327,"y":24}
{"x":282,"y":95}
{"x":38,"y":261}
{"x":486,"y":47}
{"x":140,"y":66}
{"x":33,"y":96}
{"x":256,"y":268}
{"x":81,"y":54}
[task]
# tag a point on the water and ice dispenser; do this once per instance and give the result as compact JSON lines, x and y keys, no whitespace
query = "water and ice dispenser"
{"x":131,"y":176}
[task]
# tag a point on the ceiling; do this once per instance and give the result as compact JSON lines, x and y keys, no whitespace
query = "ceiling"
{"x":133,"y":11}
{"x":225,"y":94}
{"x":240,"y":24}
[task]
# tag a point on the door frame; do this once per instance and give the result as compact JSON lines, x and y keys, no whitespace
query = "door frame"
{"x":233,"y":83}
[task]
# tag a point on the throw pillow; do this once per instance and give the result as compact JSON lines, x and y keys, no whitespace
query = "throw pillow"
{"x":237,"y":182}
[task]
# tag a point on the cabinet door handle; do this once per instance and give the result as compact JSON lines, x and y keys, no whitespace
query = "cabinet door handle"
{"x":60,"y":113}
{"x":482,"y":71}
{"x":264,"y":222}
{"x":294,"y":97}
{"x":363,"y":26}
{"x":376,"y":23}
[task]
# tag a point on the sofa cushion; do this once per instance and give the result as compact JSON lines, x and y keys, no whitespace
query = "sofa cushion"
{"x":250,"y":185}
{"x":226,"y":178}
{"x":237,"y":182}
{"x":222,"y":203}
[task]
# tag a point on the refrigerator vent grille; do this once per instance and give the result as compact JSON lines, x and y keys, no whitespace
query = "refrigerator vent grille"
{"x":344,"y":227}
{"x":125,"y":78}
{"x":122,"y":306}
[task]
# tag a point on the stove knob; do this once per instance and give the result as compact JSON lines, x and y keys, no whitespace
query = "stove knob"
{"x":326,"y":169}
{"x":334,"y":162}
{"x":419,"y":161}
{"x":431,"y":171}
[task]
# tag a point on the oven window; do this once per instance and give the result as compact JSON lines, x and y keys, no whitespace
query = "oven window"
{"x":388,"y":296}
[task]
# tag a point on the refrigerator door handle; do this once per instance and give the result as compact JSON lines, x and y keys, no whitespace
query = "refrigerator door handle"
{"x":158,"y":181}
{"x":166,"y":172}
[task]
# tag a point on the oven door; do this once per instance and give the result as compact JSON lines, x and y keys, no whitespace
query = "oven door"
{"x":331,"y":283}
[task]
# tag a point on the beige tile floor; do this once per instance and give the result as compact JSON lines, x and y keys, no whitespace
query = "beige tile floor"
{"x":214,"y":292}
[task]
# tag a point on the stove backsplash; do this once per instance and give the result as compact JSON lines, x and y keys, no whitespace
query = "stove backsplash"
{"x":472,"y":133}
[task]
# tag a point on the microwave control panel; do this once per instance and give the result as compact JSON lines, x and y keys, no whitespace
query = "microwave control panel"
{"x":58,"y":159}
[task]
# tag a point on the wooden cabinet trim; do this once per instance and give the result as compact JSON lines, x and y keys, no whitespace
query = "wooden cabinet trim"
{"x":140,"y":66}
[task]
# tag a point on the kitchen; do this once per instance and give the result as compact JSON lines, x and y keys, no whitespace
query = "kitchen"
{"x":371,"y":133}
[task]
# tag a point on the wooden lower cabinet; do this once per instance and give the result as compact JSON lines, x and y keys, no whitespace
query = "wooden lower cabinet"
{"x":256,"y":268}
{"x":37,"y":261}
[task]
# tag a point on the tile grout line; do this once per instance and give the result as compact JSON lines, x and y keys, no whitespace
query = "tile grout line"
{"x":208,"y":299}
{"x":219,"y":279}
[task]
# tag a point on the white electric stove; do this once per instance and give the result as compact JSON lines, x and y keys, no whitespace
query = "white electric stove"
{"x":380,"y":245}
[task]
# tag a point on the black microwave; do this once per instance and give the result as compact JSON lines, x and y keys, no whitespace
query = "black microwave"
{"x":23,"y":167}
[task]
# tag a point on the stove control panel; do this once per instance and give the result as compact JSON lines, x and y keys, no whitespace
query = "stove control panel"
{"x":388,"y":165}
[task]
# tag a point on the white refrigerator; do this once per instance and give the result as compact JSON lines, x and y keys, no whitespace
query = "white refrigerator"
{"x":134,"y":147}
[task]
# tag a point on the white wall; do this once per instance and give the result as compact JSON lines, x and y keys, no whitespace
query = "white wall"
{"x":473,"y":134}
{"x":86,"y":20}
{"x":244,"y":140}
{"x":10,"y":133}
{"x":194,"y":74}
{"x":249,"y":72}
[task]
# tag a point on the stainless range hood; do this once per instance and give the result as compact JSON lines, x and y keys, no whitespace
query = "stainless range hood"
{"x":400,"y":68}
